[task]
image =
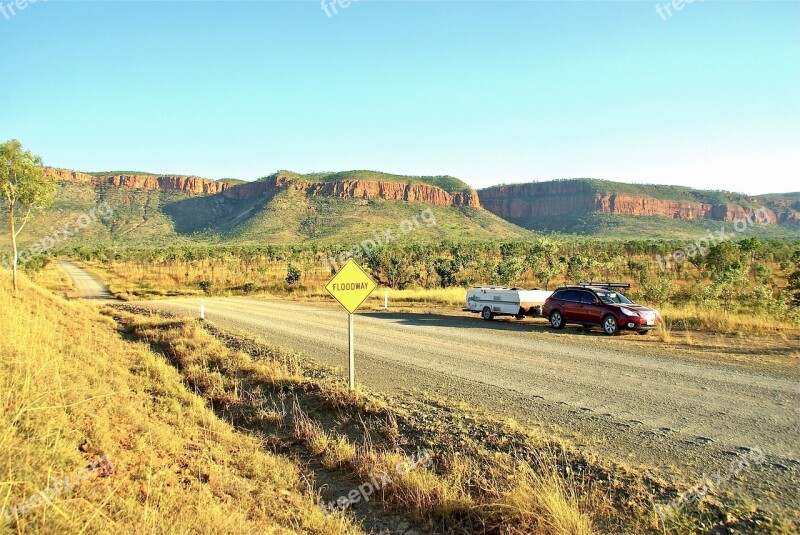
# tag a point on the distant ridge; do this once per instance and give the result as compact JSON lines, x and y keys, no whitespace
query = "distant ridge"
{"x":537,"y":205}
{"x":435,"y":190}
{"x":287,"y":206}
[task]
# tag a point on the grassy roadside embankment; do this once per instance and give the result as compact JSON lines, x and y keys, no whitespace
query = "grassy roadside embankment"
{"x":74,"y":391}
{"x":486,"y":475}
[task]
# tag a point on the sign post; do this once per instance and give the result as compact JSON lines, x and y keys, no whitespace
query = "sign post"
{"x":351,"y":287}
{"x":351,"y":360}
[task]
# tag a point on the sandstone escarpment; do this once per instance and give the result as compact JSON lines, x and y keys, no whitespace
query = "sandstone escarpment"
{"x":573,"y":198}
{"x":345,"y":189}
{"x":357,"y":189}
{"x":184,"y":184}
{"x":65,"y":175}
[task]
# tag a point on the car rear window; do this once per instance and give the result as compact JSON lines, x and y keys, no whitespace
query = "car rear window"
{"x":572,"y":295}
{"x":559,"y":294}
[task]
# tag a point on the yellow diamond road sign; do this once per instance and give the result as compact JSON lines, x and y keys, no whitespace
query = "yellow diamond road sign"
{"x":351,"y":286}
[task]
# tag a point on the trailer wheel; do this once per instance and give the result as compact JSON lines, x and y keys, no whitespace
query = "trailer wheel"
{"x":487,"y":314}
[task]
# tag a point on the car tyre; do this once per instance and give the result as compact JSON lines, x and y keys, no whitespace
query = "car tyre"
{"x":556,"y":320}
{"x":610,"y":325}
{"x":487,"y":314}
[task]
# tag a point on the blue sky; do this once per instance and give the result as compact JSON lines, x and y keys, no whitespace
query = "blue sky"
{"x":486,"y":91}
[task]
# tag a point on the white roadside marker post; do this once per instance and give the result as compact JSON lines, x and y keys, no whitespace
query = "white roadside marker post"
{"x":202,"y":310}
{"x":386,"y":300}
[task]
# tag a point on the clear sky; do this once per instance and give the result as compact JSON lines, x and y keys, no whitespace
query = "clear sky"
{"x":487,"y":91}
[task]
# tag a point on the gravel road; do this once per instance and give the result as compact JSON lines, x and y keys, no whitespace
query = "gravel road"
{"x":685,"y":412}
{"x":87,"y":286}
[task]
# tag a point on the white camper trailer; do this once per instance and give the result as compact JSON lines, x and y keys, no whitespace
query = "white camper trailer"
{"x":491,"y":301}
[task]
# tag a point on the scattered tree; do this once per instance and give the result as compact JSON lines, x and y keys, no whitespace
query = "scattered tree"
{"x":24,"y":188}
{"x":794,"y":280}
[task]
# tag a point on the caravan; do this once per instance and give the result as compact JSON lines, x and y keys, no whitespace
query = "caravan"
{"x":491,"y":301}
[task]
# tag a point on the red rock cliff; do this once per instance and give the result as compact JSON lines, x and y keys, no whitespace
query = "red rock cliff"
{"x":346,"y":189}
{"x":64,"y":175}
{"x":564,"y":198}
{"x":185,"y":184}
{"x":358,"y":189}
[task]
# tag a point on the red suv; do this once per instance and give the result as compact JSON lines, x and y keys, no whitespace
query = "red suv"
{"x":599,"y":304}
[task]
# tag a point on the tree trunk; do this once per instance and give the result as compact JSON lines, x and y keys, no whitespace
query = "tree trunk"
{"x":13,"y":245}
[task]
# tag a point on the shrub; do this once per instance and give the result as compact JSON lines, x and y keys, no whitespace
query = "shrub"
{"x":249,"y":287}
{"x":292,"y":274}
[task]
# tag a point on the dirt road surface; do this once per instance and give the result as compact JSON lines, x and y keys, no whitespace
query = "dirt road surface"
{"x":87,"y":286}
{"x":687,"y":412}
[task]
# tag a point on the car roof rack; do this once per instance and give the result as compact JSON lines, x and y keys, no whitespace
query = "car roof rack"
{"x":606,"y":284}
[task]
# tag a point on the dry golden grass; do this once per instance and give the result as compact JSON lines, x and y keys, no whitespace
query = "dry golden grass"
{"x":132,"y":280}
{"x":693,"y":317}
{"x":541,"y":501}
{"x":459,"y":487}
{"x":466,"y":485}
{"x":53,"y":278}
{"x":664,"y":333}
{"x":448,"y":297}
{"x":72,"y":390}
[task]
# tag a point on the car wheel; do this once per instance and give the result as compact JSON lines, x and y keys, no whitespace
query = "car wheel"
{"x":487,"y":314}
{"x":610,"y":326}
{"x":556,"y":320}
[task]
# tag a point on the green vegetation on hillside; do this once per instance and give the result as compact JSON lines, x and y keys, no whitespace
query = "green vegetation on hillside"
{"x":793,"y":196}
{"x":670,"y":193}
{"x":663,"y":192}
{"x":448,"y":183}
{"x":162,"y":218}
{"x":615,"y":226}
{"x":630,"y":227}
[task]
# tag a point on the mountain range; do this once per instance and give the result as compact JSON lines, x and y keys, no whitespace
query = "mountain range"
{"x":286,"y":207}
